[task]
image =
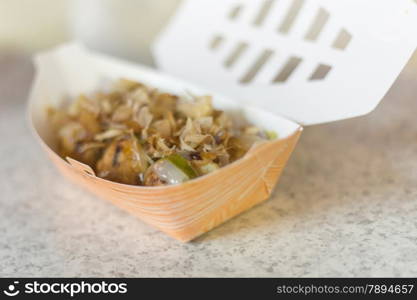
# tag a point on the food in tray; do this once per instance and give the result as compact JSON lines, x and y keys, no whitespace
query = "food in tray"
{"x":136,"y":134}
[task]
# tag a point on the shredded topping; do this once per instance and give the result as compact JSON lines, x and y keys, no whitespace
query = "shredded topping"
{"x":135,"y":134}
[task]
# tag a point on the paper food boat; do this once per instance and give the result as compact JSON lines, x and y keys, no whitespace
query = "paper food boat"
{"x":280,"y":63}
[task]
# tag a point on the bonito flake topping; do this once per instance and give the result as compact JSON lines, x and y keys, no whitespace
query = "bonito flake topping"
{"x":135,"y":134}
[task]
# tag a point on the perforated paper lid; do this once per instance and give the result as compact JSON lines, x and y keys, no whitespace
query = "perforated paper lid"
{"x":312,"y":61}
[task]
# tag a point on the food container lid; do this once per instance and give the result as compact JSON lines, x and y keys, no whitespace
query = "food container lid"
{"x":310,"y":61}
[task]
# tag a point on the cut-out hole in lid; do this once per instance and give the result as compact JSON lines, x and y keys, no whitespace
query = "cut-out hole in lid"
{"x":318,"y":24}
{"x":291,"y":16}
{"x":257,"y":66}
{"x":235,"y":54}
{"x":342,"y":40}
{"x":320,"y":72}
{"x":235,"y":12}
{"x":288,"y":69}
{"x":216,"y":42}
{"x":263,"y":12}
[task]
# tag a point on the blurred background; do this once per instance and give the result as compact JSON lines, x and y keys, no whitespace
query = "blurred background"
{"x":124,"y":28}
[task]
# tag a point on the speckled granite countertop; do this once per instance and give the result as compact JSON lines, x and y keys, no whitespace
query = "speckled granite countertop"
{"x":346,"y":205}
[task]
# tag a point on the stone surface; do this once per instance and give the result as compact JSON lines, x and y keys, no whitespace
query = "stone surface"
{"x":346,"y":205}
